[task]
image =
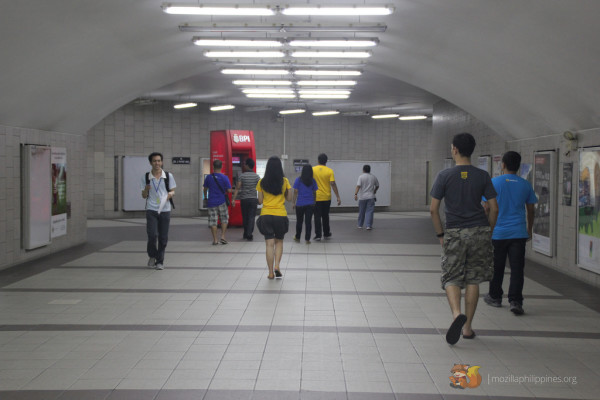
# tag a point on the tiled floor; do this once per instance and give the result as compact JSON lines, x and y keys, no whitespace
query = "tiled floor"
{"x":360,"y":316}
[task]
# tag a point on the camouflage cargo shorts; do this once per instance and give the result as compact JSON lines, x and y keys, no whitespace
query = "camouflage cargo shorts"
{"x":467,"y":257}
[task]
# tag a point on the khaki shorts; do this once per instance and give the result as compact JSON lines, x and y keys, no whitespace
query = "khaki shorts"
{"x":467,"y":257}
{"x":214,"y":213}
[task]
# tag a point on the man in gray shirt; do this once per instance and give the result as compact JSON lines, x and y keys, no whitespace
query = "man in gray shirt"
{"x":246,"y":186}
{"x":467,"y":252}
{"x":366,"y":187}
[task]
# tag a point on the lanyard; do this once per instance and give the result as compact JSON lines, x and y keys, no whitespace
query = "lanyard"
{"x":156,"y":187}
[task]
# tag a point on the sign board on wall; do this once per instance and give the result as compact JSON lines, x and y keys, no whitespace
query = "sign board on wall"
{"x":484,"y":163}
{"x":59,"y":191}
{"x":544,"y":183}
{"x":588,"y":233}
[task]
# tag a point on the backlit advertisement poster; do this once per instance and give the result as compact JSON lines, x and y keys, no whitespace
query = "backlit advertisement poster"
{"x":543,"y":185}
{"x":588,"y":238}
{"x":59,"y":191}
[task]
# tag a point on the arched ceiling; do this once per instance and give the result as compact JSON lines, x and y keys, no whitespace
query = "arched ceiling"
{"x":525,"y":68}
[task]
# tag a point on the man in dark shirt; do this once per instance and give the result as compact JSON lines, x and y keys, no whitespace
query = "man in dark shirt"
{"x":467,"y":252}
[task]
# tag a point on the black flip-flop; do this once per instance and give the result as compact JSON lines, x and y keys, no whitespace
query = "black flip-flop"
{"x":215,"y":243}
{"x":455,"y":329}
{"x":471,"y":336}
{"x":223,"y":241}
{"x":278,"y":273}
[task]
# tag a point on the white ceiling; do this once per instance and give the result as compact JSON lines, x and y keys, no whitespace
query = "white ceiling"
{"x":525,"y":68}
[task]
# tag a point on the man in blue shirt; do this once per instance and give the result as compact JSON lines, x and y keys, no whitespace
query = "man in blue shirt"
{"x":216,"y":187}
{"x":513,"y":229}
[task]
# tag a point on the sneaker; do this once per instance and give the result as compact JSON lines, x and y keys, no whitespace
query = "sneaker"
{"x":151,"y":262}
{"x":250,"y":238}
{"x":369,"y":228}
{"x":160,"y":266}
{"x":308,"y":242}
{"x":359,"y":227}
{"x":327,"y":236}
{"x":296,"y":239}
{"x":489,"y":300}
{"x":317,"y":238}
{"x":516,"y":308}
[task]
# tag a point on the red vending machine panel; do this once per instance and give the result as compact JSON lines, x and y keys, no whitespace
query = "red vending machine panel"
{"x":232,"y":147}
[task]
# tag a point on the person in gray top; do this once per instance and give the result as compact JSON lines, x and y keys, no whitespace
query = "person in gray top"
{"x":467,"y":252}
{"x":366,"y":187}
{"x":246,"y":187}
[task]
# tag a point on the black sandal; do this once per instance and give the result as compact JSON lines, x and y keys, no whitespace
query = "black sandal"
{"x":278,"y":273}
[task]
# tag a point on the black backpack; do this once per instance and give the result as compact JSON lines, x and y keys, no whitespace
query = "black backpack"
{"x":166,"y":185}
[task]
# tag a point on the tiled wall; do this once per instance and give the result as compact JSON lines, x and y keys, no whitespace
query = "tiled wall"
{"x":139,"y":130}
{"x":449,"y":120}
{"x":10,"y":194}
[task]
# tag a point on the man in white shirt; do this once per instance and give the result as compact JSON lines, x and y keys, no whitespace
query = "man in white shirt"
{"x":366,"y":187}
{"x":158,"y":190}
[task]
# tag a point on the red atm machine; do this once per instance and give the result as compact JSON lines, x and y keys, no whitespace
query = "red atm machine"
{"x":232,"y":148}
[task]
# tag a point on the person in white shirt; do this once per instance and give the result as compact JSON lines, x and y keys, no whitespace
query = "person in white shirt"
{"x":366,"y":187}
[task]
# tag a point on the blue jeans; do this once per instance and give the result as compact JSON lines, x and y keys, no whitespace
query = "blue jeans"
{"x":157,"y":228}
{"x":514,"y":249}
{"x":366,"y":209}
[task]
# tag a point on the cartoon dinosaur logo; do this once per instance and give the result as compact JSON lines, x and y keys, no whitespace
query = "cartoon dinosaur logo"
{"x":465,"y":376}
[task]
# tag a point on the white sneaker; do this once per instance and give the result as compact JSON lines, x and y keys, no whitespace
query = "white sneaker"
{"x":359,"y":227}
{"x":151,"y":262}
{"x":160,"y":266}
{"x":369,"y":228}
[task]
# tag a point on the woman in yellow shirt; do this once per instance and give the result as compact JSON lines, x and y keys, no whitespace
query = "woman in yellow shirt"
{"x":273,"y":190}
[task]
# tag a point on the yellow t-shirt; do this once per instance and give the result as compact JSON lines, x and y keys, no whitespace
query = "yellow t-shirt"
{"x":324,"y":176}
{"x":274,"y":204}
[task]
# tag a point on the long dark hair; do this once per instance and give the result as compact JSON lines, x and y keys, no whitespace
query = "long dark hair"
{"x":272,"y":182}
{"x":307,"y":175}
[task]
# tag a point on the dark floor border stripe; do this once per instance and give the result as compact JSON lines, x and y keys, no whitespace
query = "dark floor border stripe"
{"x":249,"y":291}
{"x":424,"y":271}
{"x":285,"y":328}
{"x":290,"y":253}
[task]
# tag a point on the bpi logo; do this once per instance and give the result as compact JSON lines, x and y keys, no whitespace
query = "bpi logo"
{"x":241,"y":138}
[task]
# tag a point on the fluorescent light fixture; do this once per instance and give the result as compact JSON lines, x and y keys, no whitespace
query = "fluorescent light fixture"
{"x":295,"y":111}
{"x":262,"y":82}
{"x":184,"y":105}
{"x":338,"y":11}
{"x":412,"y":117}
{"x":316,"y":72}
{"x":323,"y":113}
{"x":216,"y":10}
{"x":222,"y":107}
{"x":236,"y":42}
{"x":331,"y":54}
{"x":383,"y":116}
{"x":233,"y":71}
{"x":270,"y":96}
{"x":324,"y":91}
{"x":282,"y":28}
{"x":265,"y":90}
{"x":326,"y":83}
{"x":324,"y":96}
{"x":333,"y":42}
{"x":244,"y":54}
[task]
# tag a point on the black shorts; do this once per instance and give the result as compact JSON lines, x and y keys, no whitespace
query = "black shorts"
{"x":273,"y":226}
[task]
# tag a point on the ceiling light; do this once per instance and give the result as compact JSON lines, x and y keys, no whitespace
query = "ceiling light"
{"x":383,"y":116}
{"x":334,"y":42}
{"x":244,"y":54}
{"x":324,"y":96}
{"x":322,"y":91}
{"x":322,"y":113}
{"x":326,"y":83}
{"x":216,"y":10}
{"x":331,"y":54}
{"x":295,"y":111}
{"x":338,"y":11}
{"x":316,"y":72}
{"x":412,"y":117}
{"x":222,"y":107}
{"x":264,"y":90}
{"x":236,"y":42}
{"x":279,"y":28}
{"x":255,"y":71}
{"x":185,"y":105}
{"x":270,"y":96}
{"x":262,"y":83}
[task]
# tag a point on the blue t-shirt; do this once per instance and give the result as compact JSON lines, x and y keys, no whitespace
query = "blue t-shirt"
{"x":306,"y":194}
{"x":513,"y":193}
{"x":216,"y":197}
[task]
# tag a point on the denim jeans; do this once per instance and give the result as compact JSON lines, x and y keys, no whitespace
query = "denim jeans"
{"x":157,"y":228}
{"x":322,"y":218}
{"x":304,"y":214}
{"x":366,"y":209}
{"x":248,"y":216}
{"x":515,"y":250}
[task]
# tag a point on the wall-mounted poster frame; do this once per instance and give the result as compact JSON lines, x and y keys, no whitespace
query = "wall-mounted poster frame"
{"x":485,"y":163}
{"x":544,"y":185}
{"x":497,"y":165}
{"x":588,"y":195}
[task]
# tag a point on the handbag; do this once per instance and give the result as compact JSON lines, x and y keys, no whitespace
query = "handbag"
{"x":227,"y":201}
